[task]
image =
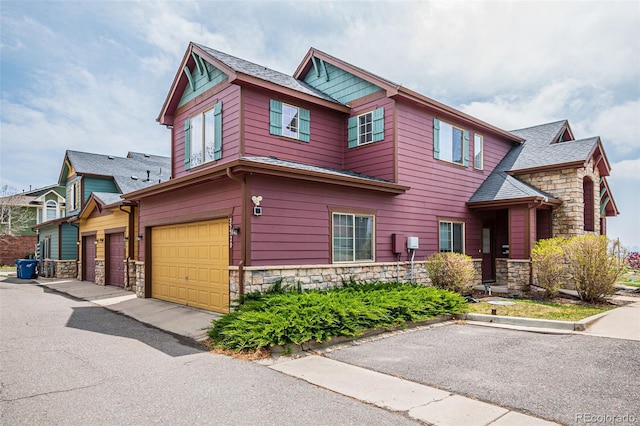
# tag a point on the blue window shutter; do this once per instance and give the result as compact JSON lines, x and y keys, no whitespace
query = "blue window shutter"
{"x":377,"y":119}
{"x":217,"y":131}
{"x":436,"y":138}
{"x":352,"y":126}
{"x":275,"y":117}
{"x":187,"y":144}
{"x":305,"y":124}
{"x":465,"y":149}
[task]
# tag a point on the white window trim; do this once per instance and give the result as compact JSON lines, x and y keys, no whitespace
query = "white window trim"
{"x":370,"y":133}
{"x":444,"y":143}
{"x":373,"y":237}
{"x":286,"y":121}
{"x":452,"y":221}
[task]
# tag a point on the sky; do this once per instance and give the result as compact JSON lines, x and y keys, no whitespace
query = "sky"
{"x":93,"y":75}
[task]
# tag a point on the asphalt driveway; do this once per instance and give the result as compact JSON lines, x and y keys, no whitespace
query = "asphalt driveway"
{"x":564,"y":378}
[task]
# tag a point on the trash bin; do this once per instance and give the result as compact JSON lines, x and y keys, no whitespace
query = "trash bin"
{"x":26,"y":268}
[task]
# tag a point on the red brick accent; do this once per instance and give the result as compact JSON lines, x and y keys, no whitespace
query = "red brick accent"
{"x":16,"y":247}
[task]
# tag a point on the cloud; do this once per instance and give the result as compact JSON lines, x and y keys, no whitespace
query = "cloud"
{"x":628,"y":170}
{"x":618,"y":126}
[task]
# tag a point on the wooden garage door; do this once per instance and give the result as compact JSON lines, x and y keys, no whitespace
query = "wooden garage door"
{"x":115,"y":259}
{"x":190,"y":264}
{"x":89,"y":258}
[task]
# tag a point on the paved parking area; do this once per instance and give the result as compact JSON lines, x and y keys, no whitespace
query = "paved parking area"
{"x":563,"y":378}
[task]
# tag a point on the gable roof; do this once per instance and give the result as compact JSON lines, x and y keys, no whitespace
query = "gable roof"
{"x":240,"y":71}
{"x":129,"y":173}
{"x":545,"y":149}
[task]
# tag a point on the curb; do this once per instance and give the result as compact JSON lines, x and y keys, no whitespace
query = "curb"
{"x":569,"y":326}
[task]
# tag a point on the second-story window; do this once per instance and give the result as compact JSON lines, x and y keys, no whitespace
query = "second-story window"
{"x":51,"y":208}
{"x":73,"y":196}
{"x":366,"y":128}
{"x":478,"y":152}
{"x":203,"y":137}
{"x":290,"y":121}
{"x":450,"y":143}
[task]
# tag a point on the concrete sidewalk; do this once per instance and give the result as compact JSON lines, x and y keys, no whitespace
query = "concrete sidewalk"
{"x":176,"y":319}
{"x":618,"y":323}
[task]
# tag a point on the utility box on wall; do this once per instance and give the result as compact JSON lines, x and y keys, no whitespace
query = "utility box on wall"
{"x":413,"y":243}
{"x":397,"y":243}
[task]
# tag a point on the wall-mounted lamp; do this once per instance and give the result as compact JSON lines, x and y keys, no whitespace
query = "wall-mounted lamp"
{"x":235,"y":231}
{"x":139,"y":237}
{"x":257,"y":210}
{"x":126,"y":238}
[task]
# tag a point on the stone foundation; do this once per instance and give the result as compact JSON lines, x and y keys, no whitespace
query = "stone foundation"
{"x":52,"y":268}
{"x":139,"y":279}
{"x":100,"y":272}
{"x":514,"y":273}
{"x":316,"y":277}
{"x":130,"y":278}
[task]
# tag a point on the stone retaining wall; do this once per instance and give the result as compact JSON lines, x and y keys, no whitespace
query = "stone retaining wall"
{"x":514,"y":273}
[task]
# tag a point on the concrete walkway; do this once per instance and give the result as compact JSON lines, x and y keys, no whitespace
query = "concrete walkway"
{"x":619,"y":323}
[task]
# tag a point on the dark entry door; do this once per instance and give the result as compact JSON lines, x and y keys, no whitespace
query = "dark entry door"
{"x":89,"y":258}
{"x":488,"y":255}
{"x":115,"y":259}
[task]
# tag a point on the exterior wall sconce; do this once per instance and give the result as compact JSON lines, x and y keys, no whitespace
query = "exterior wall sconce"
{"x":139,"y":238}
{"x":235,"y":231}
{"x":100,"y":240}
{"x":126,"y":238}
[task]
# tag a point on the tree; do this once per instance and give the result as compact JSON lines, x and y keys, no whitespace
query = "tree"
{"x":16,"y":216}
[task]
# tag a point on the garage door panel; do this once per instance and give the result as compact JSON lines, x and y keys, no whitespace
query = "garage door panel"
{"x":191,"y":262}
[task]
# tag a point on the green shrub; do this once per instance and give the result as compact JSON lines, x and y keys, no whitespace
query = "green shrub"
{"x":294,"y":317}
{"x":595,"y":263}
{"x":548,"y":261}
{"x":451,"y":271}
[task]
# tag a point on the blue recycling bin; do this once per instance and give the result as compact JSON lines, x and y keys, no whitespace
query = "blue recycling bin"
{"x":26,"y":268}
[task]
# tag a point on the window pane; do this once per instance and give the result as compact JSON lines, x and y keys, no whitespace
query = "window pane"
{"x":209,"y":135}
{"x":364,"y":237}
{"x":457,"y":237}
{"x":51,"y":210}
{"x":445,"y":236}
{"x":289,"y":121}
{"x":365,"y":128}
{"x":446,"y":134}
{"x":342,"y":237}
{"x":456,"y":149}
{"x":196,"y":140}
{"x":477,"y":152}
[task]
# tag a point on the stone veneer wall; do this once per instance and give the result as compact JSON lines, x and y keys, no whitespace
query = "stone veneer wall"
{"x":100,"y":272}
{"x":261,"y":278}
{"x":139,"y":279}
{"x":130,"y":282}
{"x":59,"y":268}
{"x":566,"y":185}
{"x":514,"y":273}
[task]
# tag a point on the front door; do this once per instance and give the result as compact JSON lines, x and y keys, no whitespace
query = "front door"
{"x":488,"y":257}
{"x":89,"y":258}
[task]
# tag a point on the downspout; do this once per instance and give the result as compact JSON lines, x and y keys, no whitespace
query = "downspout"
{"x":243,"y":234}
{"x":130,"y":240}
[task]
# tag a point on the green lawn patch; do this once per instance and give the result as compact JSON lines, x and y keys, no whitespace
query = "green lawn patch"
{"x":283,"y":318}
{"x":540,"y":310}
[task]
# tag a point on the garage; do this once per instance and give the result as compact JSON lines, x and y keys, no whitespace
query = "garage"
{"x":190,"y":264}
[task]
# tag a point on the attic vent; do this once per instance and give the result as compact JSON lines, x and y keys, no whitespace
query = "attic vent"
{"x":110,"y":157}
{"x":134,"y":177}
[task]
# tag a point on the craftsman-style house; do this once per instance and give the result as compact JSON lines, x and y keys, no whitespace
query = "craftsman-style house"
{"x":335,"y":172}
{"x":96,"y":236}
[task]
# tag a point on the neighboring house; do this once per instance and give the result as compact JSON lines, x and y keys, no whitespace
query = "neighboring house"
{"x":335,"y":173}
{"x":19,"y":213}
{"x":95,"y":239}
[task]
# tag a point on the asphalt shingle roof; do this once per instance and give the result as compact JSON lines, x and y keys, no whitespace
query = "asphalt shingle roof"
{"x":540,"y":149}
{"x":266,"y":74}
{"x":129,"y":173}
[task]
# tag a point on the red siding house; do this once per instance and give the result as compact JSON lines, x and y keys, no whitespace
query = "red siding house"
{"x":335,"y":173}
